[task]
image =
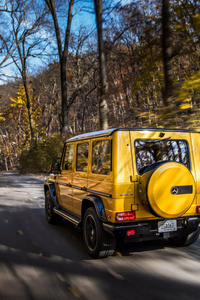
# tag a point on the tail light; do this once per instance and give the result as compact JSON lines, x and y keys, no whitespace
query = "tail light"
{"x":125,"y":216}
{"x":198,"y":209}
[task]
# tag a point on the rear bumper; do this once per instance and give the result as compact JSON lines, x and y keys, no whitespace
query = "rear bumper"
{"x":150,"y":229}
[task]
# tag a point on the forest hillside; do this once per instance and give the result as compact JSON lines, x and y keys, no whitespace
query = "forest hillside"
{"x":138,"y":68}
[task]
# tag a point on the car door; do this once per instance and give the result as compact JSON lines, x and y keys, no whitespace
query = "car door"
{"x":80,"y":175}
{"x":64,"y":179}
{"x":100,"y":175}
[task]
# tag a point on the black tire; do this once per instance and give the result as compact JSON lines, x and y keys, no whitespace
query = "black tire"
{"x":98,"y":242}
{"x":51,"y":217}
{"x":186,"y":239}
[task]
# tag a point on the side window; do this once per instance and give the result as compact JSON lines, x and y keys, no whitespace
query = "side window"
{"x":68,"y":160}
{"x":101,"y":157}
{"x":82,"y":157}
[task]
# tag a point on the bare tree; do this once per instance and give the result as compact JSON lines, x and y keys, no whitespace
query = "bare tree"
{"x":26,"y":20}
{"x":63,"y":56}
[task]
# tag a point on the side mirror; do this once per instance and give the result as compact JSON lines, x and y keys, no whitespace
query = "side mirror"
{"x":55,"y":168}
{"x":68,"y":166}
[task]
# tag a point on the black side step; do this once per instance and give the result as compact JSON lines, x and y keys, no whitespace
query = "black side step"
{"x":76,"y":221}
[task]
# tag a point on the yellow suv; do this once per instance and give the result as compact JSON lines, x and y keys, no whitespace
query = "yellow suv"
{"x":128,"y":184}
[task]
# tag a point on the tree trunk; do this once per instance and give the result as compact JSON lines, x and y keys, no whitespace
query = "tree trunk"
{"x":6,"y":164}
{"x":23,"y":70}
{"x":28,"y":105}
{"x":103,"y":105}
{"x":63,"y":56}
{"x":167,"y":52}
{"x":64,"y":112}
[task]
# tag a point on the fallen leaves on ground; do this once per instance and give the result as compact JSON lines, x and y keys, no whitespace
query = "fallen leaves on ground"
{"x":71,"y":287}
{"x":117,"y":253}
{"x":34,"y":244}
{"x":115,"y":274}
{"x":20,"y":232}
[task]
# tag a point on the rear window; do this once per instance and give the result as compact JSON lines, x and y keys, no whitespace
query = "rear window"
{"x":82,"y":157}
{"x":149,"y":152}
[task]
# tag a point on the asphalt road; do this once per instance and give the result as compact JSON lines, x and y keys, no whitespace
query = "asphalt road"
{"x":42,"y":261}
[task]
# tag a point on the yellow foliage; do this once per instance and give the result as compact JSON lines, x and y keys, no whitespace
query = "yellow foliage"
{"x":197,"y":22}
{"x":1,"y":117}
{"x":188,"y":90}
{"x":185,"y":106}
{"x":20,"y":112}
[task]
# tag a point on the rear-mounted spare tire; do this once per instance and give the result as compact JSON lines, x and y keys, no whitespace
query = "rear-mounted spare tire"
{"x":169,"y":189}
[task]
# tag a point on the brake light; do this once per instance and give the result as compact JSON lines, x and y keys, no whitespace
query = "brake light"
{"x":125,"y":216}
{"x":198,"y":209}
{"x":130,"y":232}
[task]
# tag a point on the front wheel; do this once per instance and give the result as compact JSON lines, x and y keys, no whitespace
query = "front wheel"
{"x":186,"y":239}
{"x":98,"y":242}
{"x":51,"y":217}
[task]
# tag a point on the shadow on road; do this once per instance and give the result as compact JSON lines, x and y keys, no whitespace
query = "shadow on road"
{"x":26,"y":229}
{"x":46,"y":262}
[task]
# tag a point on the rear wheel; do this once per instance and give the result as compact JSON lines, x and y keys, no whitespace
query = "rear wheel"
{"x":98,"y":242}
{"x":51,"y":217}
{"x":186,"y":239}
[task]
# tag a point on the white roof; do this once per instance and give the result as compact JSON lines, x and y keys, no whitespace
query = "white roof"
{"x":90,"y":135}
{"x":107,"y":132}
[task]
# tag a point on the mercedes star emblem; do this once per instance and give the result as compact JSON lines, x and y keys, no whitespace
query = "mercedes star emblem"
{"x":174,"y":190}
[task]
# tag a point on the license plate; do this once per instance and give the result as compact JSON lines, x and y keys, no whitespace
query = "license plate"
{"x":166,"y":226}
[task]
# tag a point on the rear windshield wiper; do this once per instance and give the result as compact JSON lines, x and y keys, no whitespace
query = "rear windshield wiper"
{"x":157,"y":141}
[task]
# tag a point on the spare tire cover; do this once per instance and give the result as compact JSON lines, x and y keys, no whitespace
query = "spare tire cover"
{"x":170,"y":190}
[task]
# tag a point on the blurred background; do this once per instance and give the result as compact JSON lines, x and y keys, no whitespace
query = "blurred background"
{"x":69,"y":67}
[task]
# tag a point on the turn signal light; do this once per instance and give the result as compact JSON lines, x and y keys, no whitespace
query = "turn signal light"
{"x":125,"y":216}
{"x":198,"y":209}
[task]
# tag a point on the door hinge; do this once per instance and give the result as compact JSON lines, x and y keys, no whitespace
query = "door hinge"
{"x":134,"y":178}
